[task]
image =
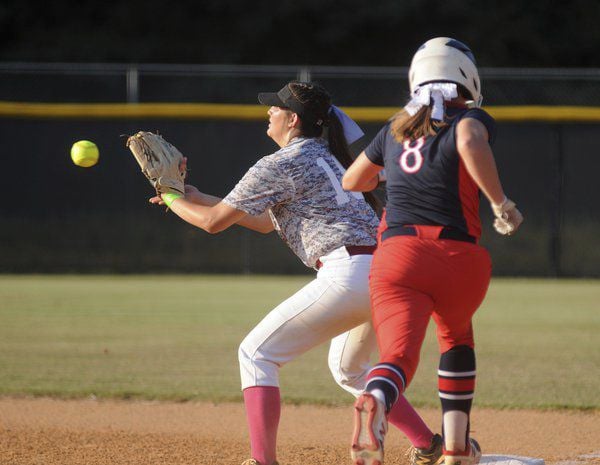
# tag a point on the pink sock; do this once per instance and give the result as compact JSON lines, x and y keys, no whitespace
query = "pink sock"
{"x":263,"y":408}
{"x":404,"y":417}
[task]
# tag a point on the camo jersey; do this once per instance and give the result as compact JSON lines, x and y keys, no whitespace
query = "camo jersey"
{"x":300,"y":186}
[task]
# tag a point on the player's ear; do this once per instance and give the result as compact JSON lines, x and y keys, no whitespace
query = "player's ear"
{"x":294,"y":120}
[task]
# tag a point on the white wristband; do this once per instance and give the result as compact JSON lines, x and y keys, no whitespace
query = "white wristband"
{"x":500,"y":208}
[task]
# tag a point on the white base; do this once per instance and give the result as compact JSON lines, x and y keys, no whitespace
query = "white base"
{"x":509,"y":460}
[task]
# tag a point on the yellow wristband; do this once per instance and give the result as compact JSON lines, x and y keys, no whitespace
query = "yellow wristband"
{"x":170,"y":197}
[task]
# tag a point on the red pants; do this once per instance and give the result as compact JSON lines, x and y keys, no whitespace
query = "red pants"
{"x":413,"y":279}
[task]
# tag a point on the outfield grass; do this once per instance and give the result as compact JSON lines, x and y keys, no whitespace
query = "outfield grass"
{"x":176,"y":337}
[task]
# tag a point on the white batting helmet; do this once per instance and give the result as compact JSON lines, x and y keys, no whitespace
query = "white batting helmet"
{"x":444,"y":59}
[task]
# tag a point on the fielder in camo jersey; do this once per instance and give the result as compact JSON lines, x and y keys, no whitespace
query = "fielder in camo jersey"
{"x":299,"y":186}
{"x":297,"y":191}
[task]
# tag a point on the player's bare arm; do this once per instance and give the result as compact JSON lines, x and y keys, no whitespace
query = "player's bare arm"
{"x":211,"y":219}
{"x":259,"y":223}
{"x":475,"y":151}
{"x":362,"y":175}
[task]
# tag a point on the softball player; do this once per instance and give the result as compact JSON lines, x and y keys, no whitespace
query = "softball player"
{"x":297,"y":191}
{"x":437,"y":158}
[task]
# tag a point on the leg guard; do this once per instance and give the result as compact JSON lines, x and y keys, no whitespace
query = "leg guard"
{"x":456,"y":382}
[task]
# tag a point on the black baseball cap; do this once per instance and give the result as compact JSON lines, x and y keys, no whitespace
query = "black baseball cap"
{"x":284,"y":98}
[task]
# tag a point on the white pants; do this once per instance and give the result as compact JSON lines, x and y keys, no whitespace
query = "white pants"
{"x":334,"y":305}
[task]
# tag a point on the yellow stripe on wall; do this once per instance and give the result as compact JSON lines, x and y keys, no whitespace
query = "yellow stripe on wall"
{"x":545,"y":113}
{"x":133,"y":110}
{"x":228,"y":111}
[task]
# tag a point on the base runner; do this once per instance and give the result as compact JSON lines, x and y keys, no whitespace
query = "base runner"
{"x":437,"y":158}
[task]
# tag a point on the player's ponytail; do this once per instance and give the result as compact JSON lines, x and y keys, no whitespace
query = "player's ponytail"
{"x":421,"y":124}
{"x":318,"y":118}
{"x":404,"y":126}
{"x":340,"y":150}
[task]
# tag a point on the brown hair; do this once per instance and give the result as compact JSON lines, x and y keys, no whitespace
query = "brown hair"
{"x":421,"y":124}
{"x":317,"y":102}
{"x":404,"y":126}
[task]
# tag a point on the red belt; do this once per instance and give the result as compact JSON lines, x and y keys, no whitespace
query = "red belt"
{"x":354,"y":250}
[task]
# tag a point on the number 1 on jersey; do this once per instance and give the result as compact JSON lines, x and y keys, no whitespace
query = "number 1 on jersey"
{"x":341,"y":196}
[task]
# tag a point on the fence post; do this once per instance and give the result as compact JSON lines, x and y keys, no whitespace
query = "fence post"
{"x":556,"y":220}
{"x":132,"y":77}
{"x":304,"y":74}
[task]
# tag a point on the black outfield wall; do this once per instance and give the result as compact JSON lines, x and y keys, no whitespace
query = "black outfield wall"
{"x":57,"y":217}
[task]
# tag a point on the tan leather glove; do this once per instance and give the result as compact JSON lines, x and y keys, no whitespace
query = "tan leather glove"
{"x":160,"y":161}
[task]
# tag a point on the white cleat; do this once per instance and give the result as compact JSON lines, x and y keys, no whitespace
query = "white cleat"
{"x":370,"y":426}
{"x":470,"y":457}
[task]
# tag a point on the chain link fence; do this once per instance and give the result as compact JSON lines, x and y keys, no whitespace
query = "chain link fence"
{"x":358,"y":86}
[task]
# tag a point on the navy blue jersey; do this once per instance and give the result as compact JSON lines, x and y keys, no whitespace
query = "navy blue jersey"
{"x":427,"y":182}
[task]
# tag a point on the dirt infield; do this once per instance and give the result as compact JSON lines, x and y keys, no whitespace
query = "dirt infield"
{"x":90,"y":432}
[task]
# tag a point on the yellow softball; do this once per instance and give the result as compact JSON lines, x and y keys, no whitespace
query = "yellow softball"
{"x":84,"y":153}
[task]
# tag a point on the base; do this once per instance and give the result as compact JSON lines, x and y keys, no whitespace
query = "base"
{"x":509,"y":460}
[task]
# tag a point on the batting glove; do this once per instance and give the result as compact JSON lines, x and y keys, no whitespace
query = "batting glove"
{"x":508,"y":218}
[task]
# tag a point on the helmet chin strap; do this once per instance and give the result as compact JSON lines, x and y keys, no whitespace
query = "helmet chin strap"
{"x":475,"y":104}
{"x":438,"y":92}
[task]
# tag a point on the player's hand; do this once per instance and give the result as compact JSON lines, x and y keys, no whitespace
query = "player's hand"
{"x":156,"y":200}
{"x":508,"y":217}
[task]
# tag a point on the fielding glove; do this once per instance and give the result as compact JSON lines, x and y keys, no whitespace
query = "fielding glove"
{"x":160,"y":162}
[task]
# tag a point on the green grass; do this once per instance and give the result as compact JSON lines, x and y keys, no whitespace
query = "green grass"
{"x":176,"y":337}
